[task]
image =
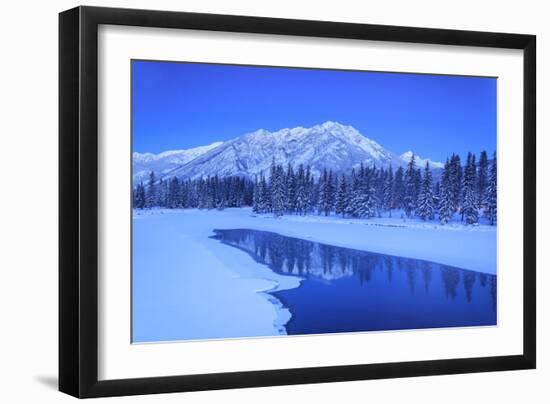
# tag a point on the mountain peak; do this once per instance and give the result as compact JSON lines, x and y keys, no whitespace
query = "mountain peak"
{"x":332,"y":124}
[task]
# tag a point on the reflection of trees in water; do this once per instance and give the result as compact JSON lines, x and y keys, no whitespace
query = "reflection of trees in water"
{"x":426,"y":268}
{"x":306,"y":258}
{"x":482,"y":279}
{"x":410,"y":267}
{"x":388,"y":263}
{"x":451,"y":279}
{"x":469,"y":279}
{"x":342,"y":259}
{"x":327,"y":257}
{"x":363,"y":266}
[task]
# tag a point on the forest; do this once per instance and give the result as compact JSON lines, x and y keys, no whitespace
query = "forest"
{"x":469,"y":190}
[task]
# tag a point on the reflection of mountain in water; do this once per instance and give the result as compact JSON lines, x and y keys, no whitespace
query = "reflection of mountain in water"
{"x":312,"y":260}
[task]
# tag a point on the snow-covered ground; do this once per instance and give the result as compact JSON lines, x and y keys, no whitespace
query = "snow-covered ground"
{"x":189,"y":286}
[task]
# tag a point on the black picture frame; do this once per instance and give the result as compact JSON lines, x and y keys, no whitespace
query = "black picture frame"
{"x":78,"y":201}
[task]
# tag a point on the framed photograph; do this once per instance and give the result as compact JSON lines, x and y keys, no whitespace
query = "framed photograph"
{"x":251,"y":201}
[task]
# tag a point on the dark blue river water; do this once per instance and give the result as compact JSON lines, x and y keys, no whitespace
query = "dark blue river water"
{"x":347,"y":290}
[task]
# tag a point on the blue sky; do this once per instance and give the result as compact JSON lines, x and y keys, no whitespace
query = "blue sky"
{"x":184,"y":105}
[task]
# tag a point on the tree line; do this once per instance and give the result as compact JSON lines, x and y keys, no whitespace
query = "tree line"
{"x":210,"y":193}
{"x":469,"y":190}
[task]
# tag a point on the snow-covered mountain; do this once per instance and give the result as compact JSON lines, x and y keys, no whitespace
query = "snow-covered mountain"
{"x":163,"y":163}
{"x":331,"y":145}
{"x":420,"y":162}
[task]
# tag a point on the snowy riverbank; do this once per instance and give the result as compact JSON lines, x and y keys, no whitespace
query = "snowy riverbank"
{"x":175,"y":262}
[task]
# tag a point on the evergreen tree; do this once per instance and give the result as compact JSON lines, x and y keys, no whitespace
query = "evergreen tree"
{"x":264,"y":204}
{"x":364,"y":202}
{"x":331,"y":191}
{"x":380,"y":186}
{"x":342,"y":197}
{"x":312,"y":191}
{"x":353,"y":191}
{"x":446,"y":208}
{"x":389,"y":191}
{"x":455,"y":181}
{"x":437,"y":193}
{"x":278,"y":197}
{"x":160,"y":193}
{"x":290,"y":189}
{"x":411,"y":182}
{"x":256,"y":196}
{"x":425,"y":208}
{"x":399,"y":188}
{"x":211,"y":197}
{"x":371,"y":201}
{"x":417,"y":185}
{"x":302,"y":197}
{"x":151,"y":192}
{"x":482,"y":179}
{"x":491,"y":192}
{"x":140,"y":197}
{"x":325,"y":193}
{"x":469,"y":204}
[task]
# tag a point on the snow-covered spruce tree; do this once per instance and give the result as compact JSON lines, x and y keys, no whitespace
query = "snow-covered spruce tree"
{"x":364,"y":202}
{"x":425,"y":209}
{"x":437,"y":194}
{"x":342,"y":197}
{"x":302,"y":198}
{"x":161,"y":193}
{"x":353,"y":191}
{"x":455,"y":181}
{"x":290,"y":183}
{"x":469,"y":202}
{"x":322,"y":202}
{"x":265,"y":195}
{"x":470,"y":206}
{"x":482,"y":179}
{"x":151,"y":191}
{"x":140,"y":196}
{"x":256,"y":196}
{"x":191,"y":192}
{"x":312,"y":191}
{"x":324,"y":194}
{"x":399,"y":188}
{"x":210,"y":194}
{"x":388,"y":191}
{"x":203,"y":198}
{"x":182,"y":197}
{"x":358,"y":200}
{"x":491,"y":203}
{"x":331,"y":190}
{"x":240,"y":187}
{"x":177,"y":192}
{"x":278,"y":196}
{"x":411,"y":181}
{"x":380,"y":190}
{"x":417,"y":183}
{"x":446,"y":208}
{"x":230,"y":191}
{"x":221,"y":194}
{"x":371,"y":200}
